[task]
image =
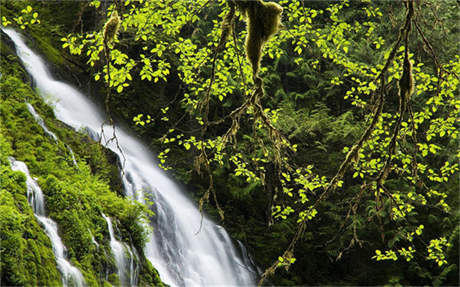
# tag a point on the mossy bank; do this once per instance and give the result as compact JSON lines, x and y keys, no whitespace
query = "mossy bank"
{"x":75,"y":195}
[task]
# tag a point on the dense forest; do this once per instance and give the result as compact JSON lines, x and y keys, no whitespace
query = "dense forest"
{"x":316,"y":141}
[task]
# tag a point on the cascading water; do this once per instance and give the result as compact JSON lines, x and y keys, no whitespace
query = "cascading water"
{"x":93,"y":240}
{"x":182,"y":256}
{"x":124,"y":258}
{"x":34,"y":193}
{"x":72,"y":155}
{"x":71,"y":276}
{"x":40,"y":122}
{"x":52,"y":135}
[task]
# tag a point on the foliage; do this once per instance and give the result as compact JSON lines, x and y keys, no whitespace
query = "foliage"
{"x":27,"y":17}
{"x":75,"y":195}
{"x":27,"y":258}
{"x":325,"y":139}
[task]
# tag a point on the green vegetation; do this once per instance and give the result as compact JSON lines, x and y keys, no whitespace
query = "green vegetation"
{"x":27,"y":258}
{"x":327,"y":173}
{"x":75,"y":195}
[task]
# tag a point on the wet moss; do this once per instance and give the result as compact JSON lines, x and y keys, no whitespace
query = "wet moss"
{"x":151,"y":276}
{"x":27,"y":257}
{"x":75,"y":195}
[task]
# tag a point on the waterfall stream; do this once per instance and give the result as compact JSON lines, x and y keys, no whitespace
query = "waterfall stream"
{"x":71,"y":276}
{"x":41,"y":122}
{"x":49,"y":133}
{"x":124,"y":258}
{"x":182,"y":256}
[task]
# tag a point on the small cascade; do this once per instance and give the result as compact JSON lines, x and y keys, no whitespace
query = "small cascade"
{"x":133,"y":266}
{"x":41,"y":122}
{"x":74,"y":161}
{"x":124,"y":258}
{"x":92,"y":239}
{"x":34,"y":193}
{"x":52,"y":135}
{"x":71,"y":276}
{"x":247,"y":259}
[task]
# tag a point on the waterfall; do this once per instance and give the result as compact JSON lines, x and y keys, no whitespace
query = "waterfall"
{"x":182,"y":256}
{"x":124,"y":258}
{"x":71,"y":276}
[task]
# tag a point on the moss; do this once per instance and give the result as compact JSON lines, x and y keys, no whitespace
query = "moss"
{"x":114,"y":280}
{"x":45,"y":45}
{"x":75,"y":196}
{"x":27,"y":257}
{"x":43,"y":33}
{"x":5,"y":49}
{"x":150,"y":276}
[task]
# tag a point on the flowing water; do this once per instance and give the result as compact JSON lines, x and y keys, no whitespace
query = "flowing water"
{"x":71,"y":276}
{"x":92,"y":239}
{"x":49,"y":133}
{"x":182,"y":255}
{"x":34,"y":193}
{"x":40,"y":122}
{"x":124,"y":258}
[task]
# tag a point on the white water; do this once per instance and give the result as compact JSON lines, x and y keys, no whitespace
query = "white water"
{"x":182,"y":256}
{"x":71,"y":276}
{"x":72,"y":155}
{"x":40,"y":122}
{"x":52,"y":135}
{"x":92,"y":239}
{"x":124,"y":258}
{"x":34,"y":193}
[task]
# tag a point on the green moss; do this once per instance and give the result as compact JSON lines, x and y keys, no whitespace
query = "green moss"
{"x":75,"y":196}
{"x":44,"y":33}
{"x":45,"y":45}
{"x":114,"y":280}
{"x":27,"y":257}
{"x":150,"y":276}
